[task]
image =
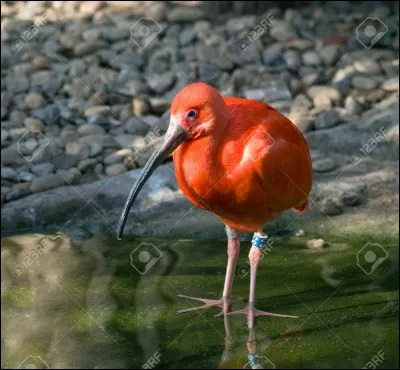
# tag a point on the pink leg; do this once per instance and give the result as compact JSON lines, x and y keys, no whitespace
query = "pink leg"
{"x":225,"y":302}
{"x":250,"y":310}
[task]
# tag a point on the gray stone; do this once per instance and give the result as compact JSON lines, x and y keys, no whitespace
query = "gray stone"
{"x":43,"y":169}
{"x":26,"y":176}
{"x":391,"y":84}
{"x":161,"y":83}
{"x":47,"y":182}
{"x":311,"y":58}
{"x":85,"y":48}
{"x":87,"y":164}
{"x":34,"y":100}
{"x":330,"y":54}
{"x":365,"y":83}
{"x":90,"y":129}
{"x":182,"y":14}
{"x":330,"y":208}
{"x":327,"y":119}
{"x":352,"y":198}
{"x":367,"y":66}
{"x":136,"y":127}
{"x":8,"y":173}
{"x":115,"y":169}
{"x":117,"y":157}
{"x":324,"y":165}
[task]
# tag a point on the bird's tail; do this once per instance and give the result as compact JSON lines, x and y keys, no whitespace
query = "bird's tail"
{"x":302,"y":207}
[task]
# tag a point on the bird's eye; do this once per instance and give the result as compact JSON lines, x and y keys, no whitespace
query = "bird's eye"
{"x":192,"y":114}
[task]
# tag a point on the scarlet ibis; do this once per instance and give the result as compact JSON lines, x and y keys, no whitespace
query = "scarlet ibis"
{"x":240,"y":159}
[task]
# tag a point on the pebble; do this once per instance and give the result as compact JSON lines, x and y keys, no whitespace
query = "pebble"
{"x":330,"y":208}
{"x":43,"y":169}
{"x":324,"y":165}
{"x":391,"y":84}
{"x":315,"y":243}
{"x":8,"y":173}
{"x":34,"y":100}
{"x":327,"y":119}
{"x":115,"y":169}
{"x":365,"y":83}
{"x":183,"y":14}
{"x":46,"y":182}
{"x":311,"y":58}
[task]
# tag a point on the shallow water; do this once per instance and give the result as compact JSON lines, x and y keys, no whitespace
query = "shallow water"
{"x":102,"y":303}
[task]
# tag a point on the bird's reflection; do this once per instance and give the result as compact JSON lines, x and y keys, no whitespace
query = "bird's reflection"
{"x":227,"y":360}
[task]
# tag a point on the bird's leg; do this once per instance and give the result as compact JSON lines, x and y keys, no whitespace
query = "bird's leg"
{"x":258,"y":242}
{"x":225,"y":302}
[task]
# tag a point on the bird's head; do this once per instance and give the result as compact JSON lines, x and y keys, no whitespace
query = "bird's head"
{"x":196,"y":111}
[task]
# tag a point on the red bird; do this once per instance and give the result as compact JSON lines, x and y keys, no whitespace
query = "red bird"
{"x":240,"y":159}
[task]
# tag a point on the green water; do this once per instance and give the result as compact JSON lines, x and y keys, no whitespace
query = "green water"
{"x":83,"y":304}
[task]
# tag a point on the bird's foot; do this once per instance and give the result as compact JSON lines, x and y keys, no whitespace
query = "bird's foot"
{"x":223,"y":303}
{"x":253,"y":312}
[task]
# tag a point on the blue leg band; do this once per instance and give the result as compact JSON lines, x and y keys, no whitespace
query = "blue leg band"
{"x":252,"y":359}
{"x":260,"y":241}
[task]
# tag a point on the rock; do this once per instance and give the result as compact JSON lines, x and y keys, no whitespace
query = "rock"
{"x":95,"y":148}
{"x":17,"y":117}
{"x":352,"y":107}
{"x":65,"y":161}
{"x":352,"y":198}
{"x":330,"y":54}
{"x":300,"y":44}
{"x":97,"y":110}
{"x":330,"y":208}
{"x":41,"y":62}
{"x":327,"y":119}
{"x":391,"y":84}
{"x":292,"y":58}
{"x":34,"y":100}
{"x":87,"y":164}
{"x":80,"y":148}
{"x":140,"y":107}
{"x":315,"y":243}
{"x":159,"y":105}
{"x":48,"y":115}
{"x":367,"y":66}
{"x":46,"y":182}
{"x":183,"y":14}
{"x":301,"y":103}
{"x":254,"y":94}
{"x":115,"y":169}
{"x":324,"y":165}
{"x":161,"y":83}
{"x":117,"y":157}
{"x":85,"y":48}
{"x":41,"y":78}
{"x":125,"y":141}
{"x":26,"y":176}
{"x":303,"y":122}
{"x":33,"y":124}
{"x":69,"y":176}
{"x":282,"y":30}
{"x":18,"y":191}
{"x":311,"y":58}
{"x":187,"y":36}
{"x":43,"y":169}
{"x":136,"y":127}
{"x":158,"y":11}
{"x":17,"y":83}
{"x":365,"y":83}
{"x":327,"y":91}
{"x":8,"y":173}
{"x":90,"y":129}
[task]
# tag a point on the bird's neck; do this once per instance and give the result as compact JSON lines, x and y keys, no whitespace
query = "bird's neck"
{"x":200,"y":159}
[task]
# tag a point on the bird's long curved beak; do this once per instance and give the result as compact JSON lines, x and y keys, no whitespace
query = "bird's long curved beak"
{"x":175,"y":135}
